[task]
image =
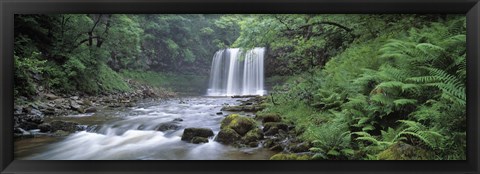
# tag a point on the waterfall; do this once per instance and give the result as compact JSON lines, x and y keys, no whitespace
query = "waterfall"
{"x":235,"y":72}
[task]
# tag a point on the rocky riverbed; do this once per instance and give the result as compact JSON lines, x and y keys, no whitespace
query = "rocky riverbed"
{"x":30,"y":115}
{"x":182,"y":128}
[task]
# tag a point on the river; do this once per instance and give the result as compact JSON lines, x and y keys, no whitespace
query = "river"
{"x":129,"y":134}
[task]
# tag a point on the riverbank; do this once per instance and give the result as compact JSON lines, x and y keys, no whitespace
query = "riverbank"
{"x":30,"y":114}
{"x":270,"y":130}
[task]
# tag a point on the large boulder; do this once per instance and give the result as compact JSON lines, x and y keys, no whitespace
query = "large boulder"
{"x":227,"y":136}
{"x":236,"y":130}
{"x":252,"y":136}
{"x":240,"y":124}
{"x":190,"y":133}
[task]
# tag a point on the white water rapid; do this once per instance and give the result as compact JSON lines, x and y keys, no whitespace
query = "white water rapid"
{"x":235,"y":72}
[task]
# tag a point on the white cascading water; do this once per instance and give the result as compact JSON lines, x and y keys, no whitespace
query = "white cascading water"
{"x":231,"y":74}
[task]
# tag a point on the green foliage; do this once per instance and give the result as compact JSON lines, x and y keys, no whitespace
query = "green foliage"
{"x":399,"y":87}
{"x":111,"y":81}
{"x":331,"y":142}
{"x":25,"y":69}
{"x":359,"y":86}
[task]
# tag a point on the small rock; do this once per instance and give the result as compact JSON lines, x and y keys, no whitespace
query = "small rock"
{"x":75,"y":106}
{"x":36,"y":112}
{"x":18,"y":110}
{"x":168,"y":126}
{"x":91,"y":110}
{"x":219,"y":113}
{"x":51,"y":96}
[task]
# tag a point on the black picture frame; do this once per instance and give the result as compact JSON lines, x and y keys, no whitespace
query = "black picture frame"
{"x":471,"y":8}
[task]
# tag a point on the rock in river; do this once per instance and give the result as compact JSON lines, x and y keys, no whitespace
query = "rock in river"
{"x":190,"y":133}
{"x":240,"y":124}
{"x":236,"y":129}
{"x":173,"y":125}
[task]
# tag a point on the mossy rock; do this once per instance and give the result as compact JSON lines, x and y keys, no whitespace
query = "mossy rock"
{"x":272,"y":128}
{"x":252,"y":136}
{"x":403,"y":151}
{"x":240,"y":124}
{"x":291,"y":156}
{"x":190,"y":133}
{"x":227,"y":136}
{"x":226,"y":121}
{"x":268,"y":117}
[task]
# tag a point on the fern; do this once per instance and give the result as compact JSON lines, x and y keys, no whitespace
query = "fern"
{"x":429,"y":137}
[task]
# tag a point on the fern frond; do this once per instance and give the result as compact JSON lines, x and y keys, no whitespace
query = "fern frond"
{"x":428,"y":137}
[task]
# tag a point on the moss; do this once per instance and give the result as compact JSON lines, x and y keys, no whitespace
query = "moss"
{"x":110,"y":80}
{"x":253,"y":136}
{"x":292,"y":156}
{"x":402,"y":151}
{"x":226,"y":121}
{"x":238,"y":123}
{"x":227,"y":136}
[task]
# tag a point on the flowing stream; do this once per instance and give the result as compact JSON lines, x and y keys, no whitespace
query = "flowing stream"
{"x":130,"y":134}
